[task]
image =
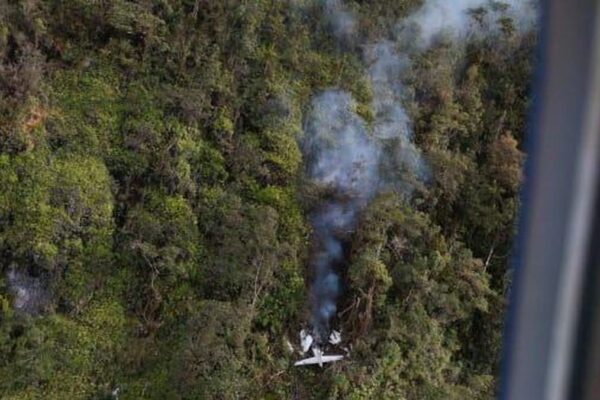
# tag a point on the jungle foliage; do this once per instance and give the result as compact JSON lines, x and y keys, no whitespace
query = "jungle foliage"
{"x":152,"y":199}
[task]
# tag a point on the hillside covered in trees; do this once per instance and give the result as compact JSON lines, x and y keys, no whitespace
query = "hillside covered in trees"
{"x":158,"y":195}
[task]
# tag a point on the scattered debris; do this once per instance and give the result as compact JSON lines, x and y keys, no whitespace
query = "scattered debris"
{"x":335,"y":337}
{"x":306,"y":340}
{"x":289,"y":345}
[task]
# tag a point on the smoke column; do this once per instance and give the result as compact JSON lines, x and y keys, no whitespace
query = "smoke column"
{"x":344,"y":159}
{"x":347,"y":159}
{"x":353,"y":162}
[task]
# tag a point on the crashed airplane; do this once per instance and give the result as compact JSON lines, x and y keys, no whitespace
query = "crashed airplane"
{"x":307,"y":342}
{"x":319,"y":358}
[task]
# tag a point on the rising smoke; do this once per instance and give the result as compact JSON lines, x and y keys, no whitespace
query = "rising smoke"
{"x":30,"y":294}
{"x":348,"y":159}
{"x":341,"y":20}
{"x":345,"y":159}
{"x":347,"y":156}
{"x":453,"y":19}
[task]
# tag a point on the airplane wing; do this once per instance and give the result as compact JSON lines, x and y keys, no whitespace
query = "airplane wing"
{"x":318,"y":360}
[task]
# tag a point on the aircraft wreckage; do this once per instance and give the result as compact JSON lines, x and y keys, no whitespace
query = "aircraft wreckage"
{"x":308,"y":342}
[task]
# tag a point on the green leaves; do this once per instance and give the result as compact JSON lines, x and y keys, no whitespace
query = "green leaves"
{"x":48,"y":205}
{"x":151,"y":182}
{"x":161,"y":235}
{"x":414,"y":292}
{"x":58,"y":357}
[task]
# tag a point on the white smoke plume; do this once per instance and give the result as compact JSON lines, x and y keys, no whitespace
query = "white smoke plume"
{"x":453,"y":19}
{"x":385,"y":71}
{"x":342,"y":21}
{"x":392,"y":123}
{"x":344,"y":158}
{"x":351,"y":158}
{"x":30,"y":294}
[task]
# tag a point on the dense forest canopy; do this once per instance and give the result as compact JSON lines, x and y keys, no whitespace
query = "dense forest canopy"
{"x":158,"y":192}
